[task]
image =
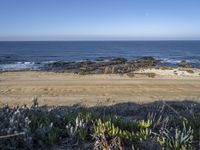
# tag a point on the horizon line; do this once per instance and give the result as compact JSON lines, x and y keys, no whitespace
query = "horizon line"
{"x":98,"y":40}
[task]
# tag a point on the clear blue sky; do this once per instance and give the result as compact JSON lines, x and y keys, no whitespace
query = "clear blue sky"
{"x":99,"y":19}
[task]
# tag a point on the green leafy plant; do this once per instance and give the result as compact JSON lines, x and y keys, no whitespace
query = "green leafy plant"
{"x":78,"y":127}
{"x":178,"y":139}
{"x":109,"y":129}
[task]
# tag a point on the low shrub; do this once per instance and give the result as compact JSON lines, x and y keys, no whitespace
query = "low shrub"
{"x":190,"y":71}
{"x":168,"y":126}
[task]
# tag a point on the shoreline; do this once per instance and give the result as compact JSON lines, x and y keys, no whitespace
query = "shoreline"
{"x":99,"y":65}
{"x":64,"y":89}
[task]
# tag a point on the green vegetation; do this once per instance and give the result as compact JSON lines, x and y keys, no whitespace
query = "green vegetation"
{"x":173,"y":126}
{"x":190,"y":71}
{"x":151,"y":75}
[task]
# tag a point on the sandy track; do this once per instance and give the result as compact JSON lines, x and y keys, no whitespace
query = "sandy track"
{"x":66,"y":89}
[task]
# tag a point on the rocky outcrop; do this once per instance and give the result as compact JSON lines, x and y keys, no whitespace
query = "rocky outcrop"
{"x":114,"y":66}
{"x":184,"y":64}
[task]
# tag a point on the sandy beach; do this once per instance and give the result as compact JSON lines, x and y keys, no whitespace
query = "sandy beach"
{"x":18,"y":88}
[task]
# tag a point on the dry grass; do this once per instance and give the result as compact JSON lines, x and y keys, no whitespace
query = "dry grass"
{"x":190,"y":71}
{"x":149,"y":74}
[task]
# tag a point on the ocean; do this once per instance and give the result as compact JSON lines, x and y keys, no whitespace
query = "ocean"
{"x":33,"y":55}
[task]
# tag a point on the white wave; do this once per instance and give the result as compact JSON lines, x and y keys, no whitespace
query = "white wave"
{"x":47,"y":62}
{"x":177,"y":61}
{"x":18,"y":66}
{"x":171,"y":61}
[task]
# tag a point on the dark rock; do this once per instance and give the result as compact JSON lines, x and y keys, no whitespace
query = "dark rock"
{"x":114,"y":66}
{"x":149,"y":61}
{"x":58,"y":64}
{"x":142,"y":62}
{"x":86,"y":63}
{"x":120,"y":69}
{"x":184,"y":64}
{"x":119,"y":60}
{"x":100,"y":59}
{"x":149,"y":58}
{"x":115,"y":61}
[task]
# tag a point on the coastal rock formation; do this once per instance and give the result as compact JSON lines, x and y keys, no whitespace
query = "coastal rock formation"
{"x":114,"y":66}
{"x":143,"y":62}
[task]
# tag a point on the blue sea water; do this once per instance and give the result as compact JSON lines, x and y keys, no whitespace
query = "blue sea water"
{"x":33,"y":55}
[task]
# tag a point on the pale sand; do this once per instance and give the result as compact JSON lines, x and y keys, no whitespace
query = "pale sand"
{"x":172,"y":72}
{"x":18,"y":88}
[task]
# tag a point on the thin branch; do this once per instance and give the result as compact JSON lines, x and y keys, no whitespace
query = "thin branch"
{"x":176,"y":112}
{"x":12,"y":135}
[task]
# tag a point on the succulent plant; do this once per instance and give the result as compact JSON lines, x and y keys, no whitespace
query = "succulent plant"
{"x":177,"y":139}
{"x":78,"y":127}
{"x":40,"y":127}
